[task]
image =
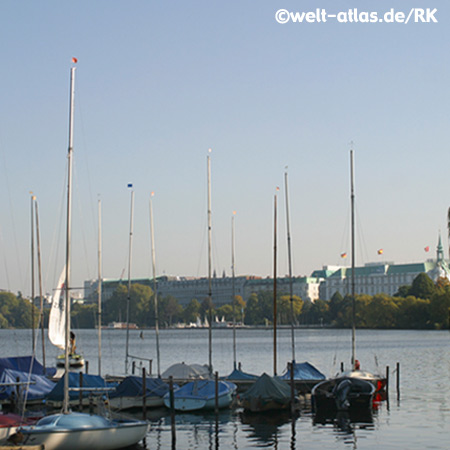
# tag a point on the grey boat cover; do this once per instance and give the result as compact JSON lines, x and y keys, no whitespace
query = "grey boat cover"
{"x":268,"y":388}
{"x":182,"y":371}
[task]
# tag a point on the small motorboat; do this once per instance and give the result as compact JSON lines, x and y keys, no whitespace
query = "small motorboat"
{"x":342,"y":393}
{"x":201,"y":394}
{"x":75,"y":360}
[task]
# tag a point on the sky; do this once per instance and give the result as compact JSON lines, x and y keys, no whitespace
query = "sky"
{"x":159,"y":83}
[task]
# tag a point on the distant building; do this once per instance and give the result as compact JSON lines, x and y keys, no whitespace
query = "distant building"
{"x":381,"y":278}
{"x":185,"y":289}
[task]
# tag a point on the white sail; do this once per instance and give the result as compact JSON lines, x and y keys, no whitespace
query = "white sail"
{"x":57,"y":319}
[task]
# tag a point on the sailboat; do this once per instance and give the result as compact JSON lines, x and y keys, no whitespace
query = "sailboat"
{"x":68,"y":430}
{"x":201,"y":394}
{"x":353,"y":389}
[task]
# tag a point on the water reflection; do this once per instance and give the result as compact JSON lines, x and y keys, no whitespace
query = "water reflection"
{"x":264,"y":428}
{"x":346,"y":423}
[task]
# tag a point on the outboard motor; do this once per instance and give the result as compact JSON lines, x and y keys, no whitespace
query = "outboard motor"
{"x":341,"y":392}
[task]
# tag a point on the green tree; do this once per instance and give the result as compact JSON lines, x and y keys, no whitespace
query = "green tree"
{"x":422,"y":287}
{"x":170,"y":310}
{"x":192,"y":311}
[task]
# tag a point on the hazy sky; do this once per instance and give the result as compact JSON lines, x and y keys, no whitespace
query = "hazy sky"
{"x":158,"y":83}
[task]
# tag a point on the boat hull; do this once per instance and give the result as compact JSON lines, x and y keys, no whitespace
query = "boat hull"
{"x":88,"y":433}
{"x":132,"y":402}
{"x":328,"y":397}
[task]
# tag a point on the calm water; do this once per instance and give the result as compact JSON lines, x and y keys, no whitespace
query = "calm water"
{"x":419,"y":419}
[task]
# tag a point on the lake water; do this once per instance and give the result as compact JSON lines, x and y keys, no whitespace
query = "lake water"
{"x":419,"y":418}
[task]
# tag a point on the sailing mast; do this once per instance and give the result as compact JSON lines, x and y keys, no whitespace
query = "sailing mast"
{"x":155,"y":287}
{"x":33,"y":335}
{"x":41,"y":297}
{"x":275,"y":285}
{"x":352,"y":201}
{"x":130,"y":244}
{"x":209,"y":267}
{"x":99,"y":287}
{"x":291,"y":295}
{"x":68,"y":237}
{"x":233,"y":289}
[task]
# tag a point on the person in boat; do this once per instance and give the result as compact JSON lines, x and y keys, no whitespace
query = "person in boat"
{"x":357,"y":365}
{"x":73,"y":346}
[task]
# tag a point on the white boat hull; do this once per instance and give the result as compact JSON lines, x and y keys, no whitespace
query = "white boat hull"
{"x":193,"y":404}
{"x":82,"y":431}
{"x":122,"y":403}
{"x":5,"y":433}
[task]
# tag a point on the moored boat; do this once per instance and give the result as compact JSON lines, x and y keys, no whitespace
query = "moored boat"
{"x":201,"y":394}
{"x":342,"y":394}
{"x":78,"y":430}
{"x":266,"y":394}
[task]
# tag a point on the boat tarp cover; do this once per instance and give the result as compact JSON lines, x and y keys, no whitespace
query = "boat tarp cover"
{"x":268,"y":388}
{"x":41,"y":386}
{"x":89,"y":381}
{"x":303,"y":371}
{"x":204,"y":389}
{"x":239,"y":375}
{"x":23,"y":364}
{"x":183,"y":371}
{"x":131,"y":386}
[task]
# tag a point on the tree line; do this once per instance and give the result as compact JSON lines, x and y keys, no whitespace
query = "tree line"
{"x":423,"y":305}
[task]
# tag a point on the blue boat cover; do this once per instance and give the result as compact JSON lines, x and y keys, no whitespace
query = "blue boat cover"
{"x":132,"y":387}
{"x":204,"y":389}
{"x":24,"y":363}
{"x":89,"y":381}
{"x":41,"y":386}
{"x":239,"y":375}
{"x":303,"y":371}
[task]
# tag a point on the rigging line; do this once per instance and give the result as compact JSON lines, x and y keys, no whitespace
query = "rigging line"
{"x":202,"y":247}
{"x":14,"y":228}
{"x":345,"y":239}
{"x":82,"y":222}
{"x":2,"y":246}
{"x":85,"y":156}
{"x":57,"y":237}
{"x":362,"y":243}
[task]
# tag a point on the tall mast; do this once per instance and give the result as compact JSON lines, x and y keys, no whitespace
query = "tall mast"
{"x":352,"y":201}
{"x":275,"y":286}
{"x":291,"y":295}
{"x":233,"y":288}
{"x":68,"y":237}
{"x":99,"y":287}
{"x":130,"y":246}
{"x":33,"y":335}
{"x":41,"y":297}
{"x":209,"y":267}
{"x":155,"y":287}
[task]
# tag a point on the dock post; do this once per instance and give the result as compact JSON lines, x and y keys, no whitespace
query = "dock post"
{"x":216,"y":404}
{"x":387,"y":379}
{"x":172,"y":400}
{"x":398,"y":380}
{"x":144,"y":394}
{"x":172,"y":413}
{"x":291,"y":372}
{"x":150,"y":364}
{"x":80,"y":396}
{"x":86,"y":367}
